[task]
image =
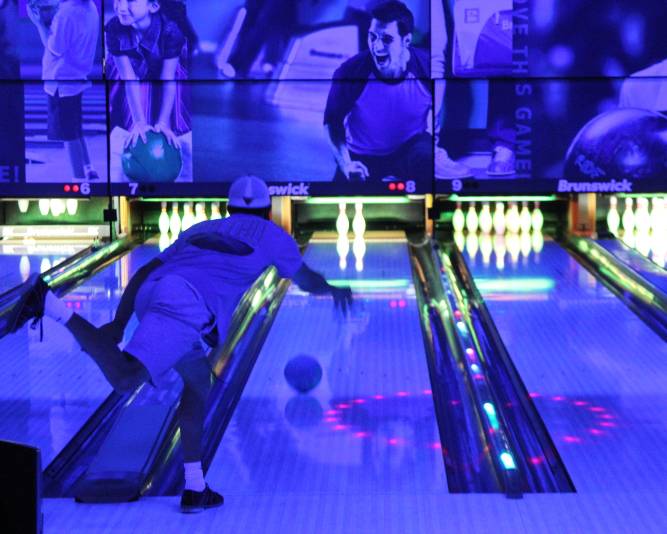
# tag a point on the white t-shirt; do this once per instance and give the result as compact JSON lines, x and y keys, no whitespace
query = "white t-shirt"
{"x":70,"y":49}
{"x":221,"y":278}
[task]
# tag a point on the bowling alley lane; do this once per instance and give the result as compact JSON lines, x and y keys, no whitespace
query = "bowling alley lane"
{"x":596,"y":372}
{"x":369,"y":426}
{"x":19,"y":261}
{"x":49,"y":389}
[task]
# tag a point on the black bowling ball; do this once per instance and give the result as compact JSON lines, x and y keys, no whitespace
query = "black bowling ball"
{"x":624,"y":143}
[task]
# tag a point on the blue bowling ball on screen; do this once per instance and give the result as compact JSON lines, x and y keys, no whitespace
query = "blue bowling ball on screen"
{"x":303,"y":373}
{"x":153,"y":161}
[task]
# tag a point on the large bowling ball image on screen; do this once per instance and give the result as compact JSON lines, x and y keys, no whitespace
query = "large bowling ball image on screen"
{"x":624,"y":143}
{"x":303,"y":373}
{"x":153,"y":161}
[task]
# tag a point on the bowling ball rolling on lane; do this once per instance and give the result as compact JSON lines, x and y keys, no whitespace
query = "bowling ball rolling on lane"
{"x":303,"y":373}
{"x":153,"y":161}
{"x":626,"y":143}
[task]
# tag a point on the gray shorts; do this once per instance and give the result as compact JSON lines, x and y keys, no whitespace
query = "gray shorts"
{"x":172,"y":317}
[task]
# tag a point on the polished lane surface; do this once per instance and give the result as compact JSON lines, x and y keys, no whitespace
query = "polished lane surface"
{"x":596,"y":372}
{"x":48,"y":389}
{"x":368,"y":428}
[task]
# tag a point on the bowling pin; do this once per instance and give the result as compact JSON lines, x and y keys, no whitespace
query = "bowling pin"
{"x":629,"y":238}
{"x":215,"y":211}
{"x":359,"y":251}
{"x":342,"y":222}
{"x":472,"y":245}
{"x":200,"y":213}
{"x":24,"y":267}
{"x":514,"y":247}
{"x":460,"y":240}
{"x":164,"y":241}
{"x":613,"y":218}
{"x":44,"y":265}
{"x":343,"y":249}
{"x":57,"y":207}
{"x":163,"y":220}
{"x":71,"y":205}
{"x":525,"y":241}
{"x":472,"y":221}
{"x":537,"y":242}
{"x":513,"y":219}
{"x":537,"y":219}
{"x":643,"y":242}
{"x":24,"y":203}
{"x":188,"y":217}
{"x":44,"y":206}
{"x":499,"y":249}
{"x":525,"y":221}
{"x":657,"y":215}
{"x":174,"y":220}
{"x":486,"y":248}
{"x":628,"y":218}
{"x":642,"y":216}
{"x":499,"y":218}
{"x":358,"y":221}
{"x":458,"y":219}
{"x":485,"y":219}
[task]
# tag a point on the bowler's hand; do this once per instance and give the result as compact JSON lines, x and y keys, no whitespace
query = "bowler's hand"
{"x":114,"y":330}
{"x":342,"y":297}
{"x":33,"y":15}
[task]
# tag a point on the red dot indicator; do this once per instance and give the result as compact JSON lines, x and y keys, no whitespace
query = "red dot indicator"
{"x":66,"y":188}
{"x":400,"y":186}
{"x":392,"y":187}
{"x":75,"y":188}
{"x":457,"y":314}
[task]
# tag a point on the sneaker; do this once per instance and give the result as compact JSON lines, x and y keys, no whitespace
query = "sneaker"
{"x":448,"y":169}
{"x":502,"y":162}
{"x":30,"y":305}
{"x":92,"y":175}
{"x":198,"y":501}
{"x":226,"y":71}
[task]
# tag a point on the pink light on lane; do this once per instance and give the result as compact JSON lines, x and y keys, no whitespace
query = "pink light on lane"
{"x":359,"y":401}
{"x":331,"y":419}
{"x":595,"y":432}
{"x":458,"y":314}
{"x":362,"y":435}
{"x":580,"y":403}
{"x":331,"y":412}
{"x":607,"y":424}
{"x":536,"y":460}
{"x":427,"y":392}
{"x":402,"y":303}
{"x":558,"y":398}
{"x":378,"y":397}
{"x":606,"y":416}
{"x":393,"y":441}
{"x":402,"y":394}
{"x":534,"y":395}
{"x":338,"y":428}
{"x":572,"y":439}
{"x":436,"y":445}
{"x":597,"y":409}
{"x":392,"y":304}
{"x":342,"y":406}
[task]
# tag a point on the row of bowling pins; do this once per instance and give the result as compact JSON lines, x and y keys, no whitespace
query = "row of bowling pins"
{"x":516,"y":245}
{"x":642,"y":219}
{"x":652,"y":245}
{"x":193,"y":213}
{"x":343,"y":239}
{"x":56,"y":206}
{"x":502,"y":220}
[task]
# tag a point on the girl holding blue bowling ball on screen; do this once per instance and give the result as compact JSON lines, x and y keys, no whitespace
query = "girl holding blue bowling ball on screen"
{"x":147,"y":43}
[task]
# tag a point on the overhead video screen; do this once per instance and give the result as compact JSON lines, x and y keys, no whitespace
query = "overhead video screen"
{"x":50,"y":40}
{"x":565,"y":136}
{"x":300,"y":40}
{"x":548,"y":38}
{"x":52,"y":145}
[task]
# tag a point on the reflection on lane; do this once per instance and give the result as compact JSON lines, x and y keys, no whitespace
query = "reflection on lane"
{"x":597,"y":373}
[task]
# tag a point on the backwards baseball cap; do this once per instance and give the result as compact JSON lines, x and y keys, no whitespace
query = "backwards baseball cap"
{"x":249,"y":192}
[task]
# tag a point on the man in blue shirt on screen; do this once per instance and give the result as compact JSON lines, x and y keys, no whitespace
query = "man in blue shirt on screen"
{"x":180,"y":297}
{"x":378,"y":109}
